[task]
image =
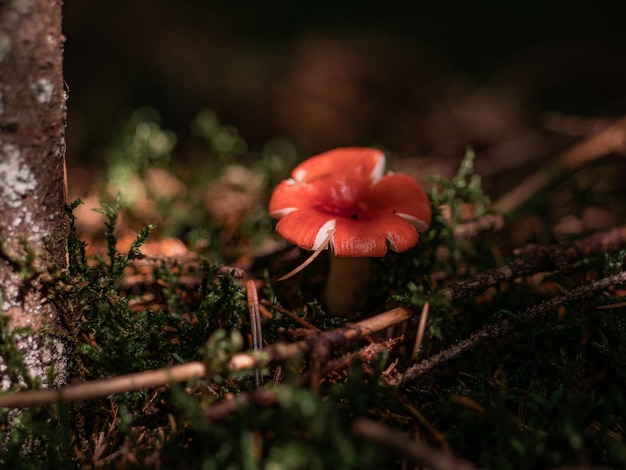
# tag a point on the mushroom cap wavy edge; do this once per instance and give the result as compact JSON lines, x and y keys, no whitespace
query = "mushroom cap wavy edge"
{"x":347,"y":190}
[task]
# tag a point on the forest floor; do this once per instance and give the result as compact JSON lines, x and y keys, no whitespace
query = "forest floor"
{"x":499,"y":341}
{"x":496,"y":342}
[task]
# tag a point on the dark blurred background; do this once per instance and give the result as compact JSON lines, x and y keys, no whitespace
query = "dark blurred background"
{"x":420,"y":78}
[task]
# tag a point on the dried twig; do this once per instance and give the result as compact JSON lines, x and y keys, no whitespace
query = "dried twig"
{"x":502,"y":328}
{"x":180,"y":373}
{"x":365,"y":354}
{"x":103,"y":388}
{"x":293,"y":316}
{"x":416,"y":452}
{"x":329,"y":339}
{"x":610,"y":140}
{"x":538,"y":259}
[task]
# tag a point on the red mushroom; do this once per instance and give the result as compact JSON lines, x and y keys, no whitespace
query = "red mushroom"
{"x":344,"y":196}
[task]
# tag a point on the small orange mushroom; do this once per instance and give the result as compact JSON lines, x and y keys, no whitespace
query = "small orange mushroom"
{"x":344,"y":199}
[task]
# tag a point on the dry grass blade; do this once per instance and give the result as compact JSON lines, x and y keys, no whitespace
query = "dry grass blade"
{"x":421,"y":329}
{"x":255,"y":322}
{"x":311,"y":258}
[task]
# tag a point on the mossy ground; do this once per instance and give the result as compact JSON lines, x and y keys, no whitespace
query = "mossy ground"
{"x":161,"y":282}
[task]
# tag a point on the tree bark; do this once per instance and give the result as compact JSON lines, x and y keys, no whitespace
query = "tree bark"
{"x":33,"y":226}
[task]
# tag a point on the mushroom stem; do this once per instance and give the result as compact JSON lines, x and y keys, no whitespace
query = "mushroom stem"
{"x":346,"y":285}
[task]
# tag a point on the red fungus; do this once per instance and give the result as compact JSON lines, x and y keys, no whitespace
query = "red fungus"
{"x":345,"y":194}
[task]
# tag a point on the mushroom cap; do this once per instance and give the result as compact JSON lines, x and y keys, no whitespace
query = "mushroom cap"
{"x":347,"y":190}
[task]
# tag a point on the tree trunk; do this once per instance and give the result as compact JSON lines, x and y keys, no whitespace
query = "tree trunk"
{"x":33,"y":226}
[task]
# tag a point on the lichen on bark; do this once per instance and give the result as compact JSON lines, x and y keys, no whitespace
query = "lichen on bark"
{"x":33,"y":227}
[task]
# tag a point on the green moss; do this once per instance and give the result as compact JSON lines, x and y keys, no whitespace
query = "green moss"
{"x":548,"y":395}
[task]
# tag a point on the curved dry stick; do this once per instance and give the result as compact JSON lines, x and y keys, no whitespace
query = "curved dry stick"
{"x":610,"y":140}
{"x":502,"y":328}
{"x":194,"y":370}
{"x":311,"y":258}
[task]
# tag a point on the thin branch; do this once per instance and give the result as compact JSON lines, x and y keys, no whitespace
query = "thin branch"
{"x":194,"y":370}
{"x":498,"y":330}
{"x":103,"y":388}
{"x":329,"y":339}
{"x":610,"y":140}
{"x":416,"y":452}
{"x":538,"y":259}
{"x":365,"y":354}
{"x":288,"y":313}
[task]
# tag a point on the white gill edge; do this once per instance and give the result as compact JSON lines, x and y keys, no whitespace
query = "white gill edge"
{"x":322,"y":234}
{"x":280,"y":213}
{"x":297,"y":176}
{"x":419,"y":224}
{"x":391,"y":238}
{"x":379,"y":170}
